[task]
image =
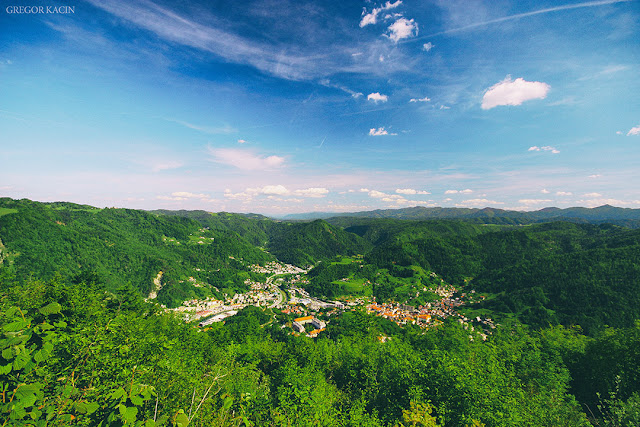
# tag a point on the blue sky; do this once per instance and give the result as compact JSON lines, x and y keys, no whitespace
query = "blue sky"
{"x":278,"y":107}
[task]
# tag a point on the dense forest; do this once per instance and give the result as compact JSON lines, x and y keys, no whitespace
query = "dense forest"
{"x":81,"y":346}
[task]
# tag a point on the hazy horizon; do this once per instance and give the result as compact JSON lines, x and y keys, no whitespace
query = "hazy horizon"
{"x":296,"y":107}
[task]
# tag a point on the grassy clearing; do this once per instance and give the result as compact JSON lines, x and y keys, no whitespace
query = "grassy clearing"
{"x":7,"y":211}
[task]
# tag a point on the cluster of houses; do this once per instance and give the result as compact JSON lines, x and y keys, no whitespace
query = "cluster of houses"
{"x":268,"y":294}
{"x":424,"y":316}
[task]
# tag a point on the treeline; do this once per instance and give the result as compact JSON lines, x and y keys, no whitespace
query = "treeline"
{"x":89,"y":356}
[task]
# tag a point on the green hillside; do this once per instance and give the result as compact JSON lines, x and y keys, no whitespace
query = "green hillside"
{"x":122,"y":246}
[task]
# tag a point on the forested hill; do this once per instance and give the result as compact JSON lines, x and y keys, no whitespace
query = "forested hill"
{"x":120,"y":246}
{"x":575,"y":274}
{"x":603,"y":214}
{"x":301,"y":244}
{"x":558,"y":272}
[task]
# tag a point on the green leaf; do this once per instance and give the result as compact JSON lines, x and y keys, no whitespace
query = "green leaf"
{"x":15,"y":326}
{"x":61,"y":324}
{"x":137,"y":400}
{"x":87,"y":407}
{"x":51,"y":308}
{"x":5,"y":369}
{"x":21,"y":361}
{"x":227,"y":403}
{"x":7,"y":353}
{"x":118,"y":394}
{"x":128,"y":413}
{"x":40,"y":356}
{"x":181,"y":419}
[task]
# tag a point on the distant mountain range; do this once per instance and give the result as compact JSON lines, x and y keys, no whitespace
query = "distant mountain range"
{"x":606,"y":213}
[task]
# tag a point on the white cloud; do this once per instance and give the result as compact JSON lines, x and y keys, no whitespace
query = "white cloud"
{"x":513,"y":92}
{"x":410,"y":191}
{"x":634,"y":131}
{"x":467,"y":191}
{"x":364,"y":190}
{"x":377,"y":97}
{"x":445,"y":107}
{"x":545,"y":191}
{"x":552,"y":149}
{"x":545,"y":148}
{"x":394,"y":199}
{"x":189,"y":195}
{"x":592,"y":195}
{"x":372,"y":17}
{"x":597,"y":175}
{"x":403,"y":28}
{"x":425,"y":99}
{"x":534,"y":201}
{"x":185,"y":195}
{"x":478,"y":202}
{"x":369,"y":18}
{"x":242,"y":141}
{"x":379,"y":132}
{"x":312,"y":192}
{"x":619,"y":132}
{"x":428,"y":46}
{"x":279,"y":190}
{"x":377,"y":194}
{"x":564,"y":193}
{"x":246,"y":160}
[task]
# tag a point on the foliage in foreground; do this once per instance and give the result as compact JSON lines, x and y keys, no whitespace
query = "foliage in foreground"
{"x":78,"y":355}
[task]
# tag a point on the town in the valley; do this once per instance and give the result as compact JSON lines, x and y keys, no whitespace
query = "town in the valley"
{"x":283,"y":290}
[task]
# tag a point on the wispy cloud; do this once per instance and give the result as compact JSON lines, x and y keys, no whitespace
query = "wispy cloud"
{"x":180,"y":196}
{"x":428,"y":46}
{"x":246,"y":160}
{"x":285,"y":61}
{"x":527,"y":14}
{"x":534,"y":201}
{"x":205,"y":129}
{"x":478,"y":202}
{"x":425,"y":99}
{"x":634,"y":131}
{"x":410,"y":191}
{"x":545,"y":148}
{"x":161,"y":166}
{"x":328,"y":83}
